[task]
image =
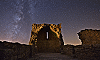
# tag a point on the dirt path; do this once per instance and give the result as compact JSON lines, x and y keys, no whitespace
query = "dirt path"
{"x":51,"y":56}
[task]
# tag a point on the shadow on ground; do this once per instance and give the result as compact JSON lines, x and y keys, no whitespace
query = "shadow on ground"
{"x":51,"y":56}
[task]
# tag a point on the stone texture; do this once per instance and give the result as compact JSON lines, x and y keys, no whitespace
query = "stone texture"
{"x":39,"y":37}
{"x":83,"y":52}
{"x":90,"y":48}
{"x":68,"y":49}
{"x":14,"y":51}
{"x":51,"y":56}
{"x":89,"y":37}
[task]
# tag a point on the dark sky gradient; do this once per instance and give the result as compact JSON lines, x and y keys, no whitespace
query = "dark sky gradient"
{"x":17,"y":17}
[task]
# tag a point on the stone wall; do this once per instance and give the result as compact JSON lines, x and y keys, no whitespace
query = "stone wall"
{"x":37,"y":27}
{"x":89,"y":36}
{"x":68,"y":49}
{"x":14,"y":51}
{"x":88,"y":52}
{"x":90,"y":48}
{"x":83,"y":52}
{"x":41,"y":42}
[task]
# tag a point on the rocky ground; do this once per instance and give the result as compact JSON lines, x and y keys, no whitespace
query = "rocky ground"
{"x":51,"y":56}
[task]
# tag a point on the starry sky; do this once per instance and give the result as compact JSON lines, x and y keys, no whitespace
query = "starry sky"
{"x":17,"y":17}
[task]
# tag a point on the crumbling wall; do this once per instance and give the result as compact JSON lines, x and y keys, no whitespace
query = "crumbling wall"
{"x":68,"y":50}
{"x":52,"y":44}
{"x":90,"y":48}
{"x":14,"y":51}
{"x":83,"y":52}
{"x":37,"y":27}
{"x":87,"y":52}
{"x":39,"y":37}
{"x":89,"y":37}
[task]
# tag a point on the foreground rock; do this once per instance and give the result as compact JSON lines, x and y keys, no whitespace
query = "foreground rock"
{"x":51,"y":56}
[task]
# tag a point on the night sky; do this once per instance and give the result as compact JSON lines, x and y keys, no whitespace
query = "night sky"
{"x":17,"y":17}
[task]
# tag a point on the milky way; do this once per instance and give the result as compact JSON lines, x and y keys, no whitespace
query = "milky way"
{"x":17,"y":16}
{"x":16,"y":25}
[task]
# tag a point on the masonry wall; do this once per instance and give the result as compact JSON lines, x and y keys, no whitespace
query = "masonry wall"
{"x":89,"y":36}
{"x":86,"y":52}
{"x":14,"y":51}
{"x":90,"y":48}
{"x":68,"y":49}
{"x":39,"y":37}
{"x":52,"y":44}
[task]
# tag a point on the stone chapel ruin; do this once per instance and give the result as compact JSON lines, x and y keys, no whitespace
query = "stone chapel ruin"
{"x":89,"y":37}
{"x":46,"y":37}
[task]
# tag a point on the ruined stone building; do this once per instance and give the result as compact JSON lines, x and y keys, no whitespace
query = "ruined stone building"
{"x":89,"y":37}
{"x":46,"y":37}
